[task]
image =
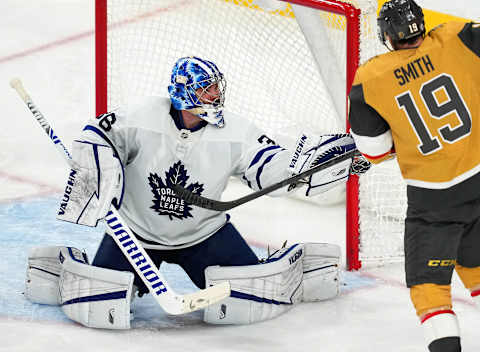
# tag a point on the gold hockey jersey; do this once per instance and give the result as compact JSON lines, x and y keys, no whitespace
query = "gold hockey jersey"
{"x":424,"y":103}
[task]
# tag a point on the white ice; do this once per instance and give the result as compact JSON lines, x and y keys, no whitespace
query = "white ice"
{"x":49,"y":44}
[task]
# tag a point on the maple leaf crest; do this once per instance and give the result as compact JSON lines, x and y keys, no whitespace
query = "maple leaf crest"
{"x":165,"y":200}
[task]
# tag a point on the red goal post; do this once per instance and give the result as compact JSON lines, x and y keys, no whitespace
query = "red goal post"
{"x":290,"y":61}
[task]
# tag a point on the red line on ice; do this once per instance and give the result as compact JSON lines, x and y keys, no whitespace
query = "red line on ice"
{"x":79,"y":36}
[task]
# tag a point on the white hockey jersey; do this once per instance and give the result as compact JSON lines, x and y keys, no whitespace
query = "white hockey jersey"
{"x":155,"y":153}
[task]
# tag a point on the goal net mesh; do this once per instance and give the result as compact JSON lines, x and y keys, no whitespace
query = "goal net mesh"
{"x":275,"y":77}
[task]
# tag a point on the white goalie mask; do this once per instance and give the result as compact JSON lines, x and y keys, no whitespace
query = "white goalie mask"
{"x":198,"y":86}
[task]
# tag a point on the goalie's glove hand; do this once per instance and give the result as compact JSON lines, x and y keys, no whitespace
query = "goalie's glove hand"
{"x":359,"y":165}
{"x":312,"y":151}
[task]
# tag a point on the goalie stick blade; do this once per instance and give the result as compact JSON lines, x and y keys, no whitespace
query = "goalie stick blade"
{"x":212,"y":204}
{"x":203,"y":298}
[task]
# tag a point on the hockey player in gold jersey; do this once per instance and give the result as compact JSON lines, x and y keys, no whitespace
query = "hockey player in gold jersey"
{"x":420,"y":103}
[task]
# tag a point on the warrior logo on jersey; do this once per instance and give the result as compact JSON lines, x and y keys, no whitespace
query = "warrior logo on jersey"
{"x":166,"y":201}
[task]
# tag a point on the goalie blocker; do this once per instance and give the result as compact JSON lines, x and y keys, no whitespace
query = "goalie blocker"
{"x":94,"y":183}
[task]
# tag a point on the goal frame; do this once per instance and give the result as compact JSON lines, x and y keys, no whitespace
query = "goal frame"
{"x":352,"y":17}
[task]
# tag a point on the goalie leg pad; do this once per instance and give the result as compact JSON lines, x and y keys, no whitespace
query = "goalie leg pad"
{"x":95,"y":297}
{"x":320,"y":271}
{"x":259,"y":292}
{"x":43,"y":274}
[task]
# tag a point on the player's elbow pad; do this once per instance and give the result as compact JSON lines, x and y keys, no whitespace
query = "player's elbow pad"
{"x":375,"y":148}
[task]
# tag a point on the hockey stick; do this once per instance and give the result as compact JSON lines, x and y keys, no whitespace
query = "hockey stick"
{"x":171,"y":302}
{"x":218,"y":205}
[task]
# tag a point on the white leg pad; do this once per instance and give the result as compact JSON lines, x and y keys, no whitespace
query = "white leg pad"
{"x":95,"y":297}
{"x":440,"y":324}
{"x":43,"y":274}
{"x":320,"y":271}
{"x":258,"y":292}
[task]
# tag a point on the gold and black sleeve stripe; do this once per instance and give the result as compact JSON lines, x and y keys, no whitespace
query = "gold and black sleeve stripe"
{"x":470,"y":36}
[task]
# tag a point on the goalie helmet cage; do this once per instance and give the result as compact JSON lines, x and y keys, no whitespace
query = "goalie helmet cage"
{"x":289,"y":67}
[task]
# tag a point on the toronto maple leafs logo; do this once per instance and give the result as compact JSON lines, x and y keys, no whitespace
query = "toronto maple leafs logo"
{"x":166,"y":202}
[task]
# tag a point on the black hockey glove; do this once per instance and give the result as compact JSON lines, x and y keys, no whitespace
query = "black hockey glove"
{"x":359,"y":165}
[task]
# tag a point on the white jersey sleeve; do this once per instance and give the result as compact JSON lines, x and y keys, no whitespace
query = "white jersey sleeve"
{"x":263,"y":161}
{"x":109,"y":129}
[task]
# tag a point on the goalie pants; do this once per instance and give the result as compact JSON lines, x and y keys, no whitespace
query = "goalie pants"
{"x":435,"y":240}
{"x":226,"y":248}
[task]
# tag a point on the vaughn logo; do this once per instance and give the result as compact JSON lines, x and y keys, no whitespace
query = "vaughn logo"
{"x":300,"y":144}
{"x":166,"y":201}
{"x":68,"y":191}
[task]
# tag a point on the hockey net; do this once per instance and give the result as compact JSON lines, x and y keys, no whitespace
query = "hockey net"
{"x":288,"y":68}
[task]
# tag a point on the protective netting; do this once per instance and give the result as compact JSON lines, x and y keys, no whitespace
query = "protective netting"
{"x":271,"y":75}
{"x":274,"y":77}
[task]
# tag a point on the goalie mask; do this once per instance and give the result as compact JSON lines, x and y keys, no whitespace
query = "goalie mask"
{"x":198,"y":86}
{"x":400,"y":20}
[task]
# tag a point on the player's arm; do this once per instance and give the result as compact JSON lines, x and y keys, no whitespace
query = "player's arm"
{"x":371,"y":132}
{"x":110,"y":129}
{"x":262,"y":161}
{"x":96,"y":179}
{"x":313,"y":150}
{"x":470,"y":36}
{"x":266,"y":162}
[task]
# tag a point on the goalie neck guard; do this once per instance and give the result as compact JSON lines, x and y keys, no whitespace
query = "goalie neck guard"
{"x":190,"y":82}
{"x":400,"y":20}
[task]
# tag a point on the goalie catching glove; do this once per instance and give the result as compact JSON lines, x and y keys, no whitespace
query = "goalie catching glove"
{"x":311,"y":151}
